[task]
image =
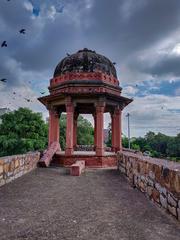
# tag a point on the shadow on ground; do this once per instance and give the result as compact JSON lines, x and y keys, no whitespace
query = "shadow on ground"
{"x":49,"y":204}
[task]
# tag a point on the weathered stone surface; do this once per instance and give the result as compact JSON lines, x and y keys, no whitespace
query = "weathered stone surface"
{"x":178,"y":213}
{"x":12,"y":167}
{"x":172,"y":210}
{"x":152,"y":175}
{"x":157,"y":178}
{"x":17,"y":163}
{"x":163,"y":201}
{"x":161,"y":189}
{"x":172,"y":201}
{"x":150,"y":182}
{"x":155,"y":195}
{"x":1,"y":169}
{"x":149,"y":190}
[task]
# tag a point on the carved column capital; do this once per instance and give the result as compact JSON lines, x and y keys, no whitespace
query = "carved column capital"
{"x":100,"y":106}
{"x":69,"y":104}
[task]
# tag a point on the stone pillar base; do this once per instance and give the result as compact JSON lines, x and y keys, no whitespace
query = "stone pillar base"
{"x":113,"y":149}
{"x":69,"y":151}
{"x":99,"y":152}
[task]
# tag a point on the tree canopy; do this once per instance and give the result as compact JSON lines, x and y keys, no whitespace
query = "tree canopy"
{"x":158,"y":145}
{"x":22,"y":131}
{"x":85,"y":131}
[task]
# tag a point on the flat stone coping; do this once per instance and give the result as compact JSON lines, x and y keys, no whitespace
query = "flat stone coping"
{"x":85,"y":153}
{"x":175,"y":166}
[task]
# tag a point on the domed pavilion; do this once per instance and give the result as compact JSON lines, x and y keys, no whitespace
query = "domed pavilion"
{"x":85,"y":83}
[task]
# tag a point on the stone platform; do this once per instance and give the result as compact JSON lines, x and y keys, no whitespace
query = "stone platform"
{"x":49,"y":204}
{"x":109,"y":159}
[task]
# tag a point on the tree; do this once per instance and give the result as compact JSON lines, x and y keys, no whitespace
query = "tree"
{"x":22,"y":131}
{"x":85,"y":131}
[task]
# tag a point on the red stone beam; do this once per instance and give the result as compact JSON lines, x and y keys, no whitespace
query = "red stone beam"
{"x":47,"y":157}
{"x":77,"y":168}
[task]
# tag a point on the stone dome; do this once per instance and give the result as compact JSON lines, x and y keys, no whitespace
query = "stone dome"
{"x":85,"y":60}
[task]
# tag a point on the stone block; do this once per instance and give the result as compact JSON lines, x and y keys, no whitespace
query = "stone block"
{"x":178,"y":213}
{"x":6,"y":167}
{"x":149,"y":190}
{"x":155,"y":195}
{"x":142,"y":186}
{"x":2,"y":182}
{"x":1,"y":169}
{"x":135,"y":179}
{"x":77,"y":168}
{"x":172,"y":210}
{"x":161,"y":189}
{"x":163,"y":201}
{"x":151,"y":175}
{"x":17,"y":163}
{"x":11,"y":166}
{"x":1,"y":161}
{"x":172,"y":200}
{"x":150,"y":182}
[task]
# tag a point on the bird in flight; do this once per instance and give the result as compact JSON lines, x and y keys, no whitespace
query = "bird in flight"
{"x":42,"y":93}
{"x":4,"y":44}
{"x":22,"y":31}
{"x":3,"y":80}
{"x":27,"y":99}
{"x":114,"y":63}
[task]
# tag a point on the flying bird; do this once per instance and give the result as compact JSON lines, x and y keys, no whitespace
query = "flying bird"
{"x":4,"y":44}
{"x":22,"y":31}
{"x":27,"y":99}
{"x":114,"y":63}
{"x":3,"y":80}
{"x":42,"y":93}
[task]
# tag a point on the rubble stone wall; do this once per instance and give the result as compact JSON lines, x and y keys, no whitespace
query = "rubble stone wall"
{"x":12,"y":167}
{"x":157,"y":178}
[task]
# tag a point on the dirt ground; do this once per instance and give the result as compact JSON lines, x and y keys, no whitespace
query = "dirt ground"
{"x":100,"y":204}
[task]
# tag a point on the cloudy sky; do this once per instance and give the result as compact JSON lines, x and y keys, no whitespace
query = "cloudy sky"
{"x":141,"y":36}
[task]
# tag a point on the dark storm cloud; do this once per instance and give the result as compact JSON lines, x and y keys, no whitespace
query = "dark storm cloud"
{"x":166,"y":65}
{"x":125,"y":26}
{"x":117,"y":28}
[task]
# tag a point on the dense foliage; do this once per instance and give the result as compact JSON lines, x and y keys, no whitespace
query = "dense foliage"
{"x":85,"y":131}
{"x":22,"y":131}
{"x":158,"y":145}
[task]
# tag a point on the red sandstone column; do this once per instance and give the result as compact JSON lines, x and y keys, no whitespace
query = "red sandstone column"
{"x":100,"y":129}
{"x":75,"y":130}
{"x":95,"y":132}
{"x":69,"y":126}
{"x":118,"y":137}
{"x":53,"y":126}
{"x":113,"y":131}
